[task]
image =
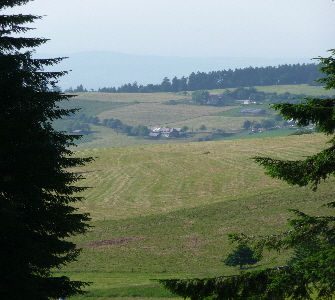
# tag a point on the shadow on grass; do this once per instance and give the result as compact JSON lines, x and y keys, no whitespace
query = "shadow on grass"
{"x":249,"y":268}
{"x":153,"y":290}
{"x":85,"y":172}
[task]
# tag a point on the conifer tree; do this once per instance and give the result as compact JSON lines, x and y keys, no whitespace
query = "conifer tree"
{"x":36,"y":189}
{"x":311,"y":276}
{"x":241,"y":256}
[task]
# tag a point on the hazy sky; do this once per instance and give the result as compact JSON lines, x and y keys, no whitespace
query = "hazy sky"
{"x":189,"y":28}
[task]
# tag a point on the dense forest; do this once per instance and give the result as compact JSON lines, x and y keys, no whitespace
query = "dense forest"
{"x":283,"y":74}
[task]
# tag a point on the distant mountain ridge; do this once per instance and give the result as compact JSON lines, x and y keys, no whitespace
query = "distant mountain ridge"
{"x":94,"y":69}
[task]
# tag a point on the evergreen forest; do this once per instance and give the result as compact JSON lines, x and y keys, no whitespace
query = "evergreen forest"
{"x":224,"y":79}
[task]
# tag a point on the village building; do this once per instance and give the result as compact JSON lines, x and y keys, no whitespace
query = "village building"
{"x":167,"y":132}
{"x":253,"y":111}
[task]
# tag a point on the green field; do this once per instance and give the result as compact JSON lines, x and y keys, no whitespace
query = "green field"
{"x":130,"y":97}
{"x":163,"y":211}
{"x":151,"y":110}
{"x":158,"y":178}
{"x":157,"y":114}
{"x":163,"y":208}
{"x":293,"y":89}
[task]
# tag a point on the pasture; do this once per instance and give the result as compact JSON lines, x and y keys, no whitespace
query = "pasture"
{"x":293,"y":89}
{"x":157,"y":114}
{"x":163,"y":211}
{"x":150,"y":109}
{"x":163,"y":178}
{"x":130,"y":97}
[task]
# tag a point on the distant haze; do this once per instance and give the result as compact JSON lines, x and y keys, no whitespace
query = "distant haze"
{"x":107,"y":69}
{"x":187,"y":28}
{"x":161,"y":38}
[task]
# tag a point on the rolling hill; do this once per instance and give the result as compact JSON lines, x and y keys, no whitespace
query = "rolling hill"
{"x":163,"y":211}
{"x":152,"y":110}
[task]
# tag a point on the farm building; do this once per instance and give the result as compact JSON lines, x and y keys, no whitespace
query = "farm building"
{"x":253,"y":111}
{"x":164,"y":132}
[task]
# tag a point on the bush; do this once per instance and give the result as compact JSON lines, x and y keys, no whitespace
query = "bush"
{"x":302,"y":131}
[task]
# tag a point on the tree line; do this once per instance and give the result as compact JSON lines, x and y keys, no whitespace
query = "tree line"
{"x":251,"y":76}
{"x":82,"y":123}
{"x":228,"y":97}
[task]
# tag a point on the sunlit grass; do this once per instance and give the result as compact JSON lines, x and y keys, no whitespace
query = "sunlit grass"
{"x":148,"y":109}
{"x":129,"y":97}
{"x":157,"y":114}
{"x":293,"y":89}
{"x":161,"y":178}
{"x":163,"y":211}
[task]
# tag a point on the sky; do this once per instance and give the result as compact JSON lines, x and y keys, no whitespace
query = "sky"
{"x":186,"y":28}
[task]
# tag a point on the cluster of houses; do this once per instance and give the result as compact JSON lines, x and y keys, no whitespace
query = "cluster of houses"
{"x":166,"y":132}
{"x":252,"y":111}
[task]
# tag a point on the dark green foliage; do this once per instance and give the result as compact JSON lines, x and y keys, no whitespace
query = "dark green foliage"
{"x":166,"y":85}
{"x":257,"y":96}
{"x":301,"y":252}
{"x":310,"y":110}
{"x":312,"y":170}
{"x":224,"y":79}
{"x":200,"y":96}
{"x":311,"y":274}
{"x":36,"y":190}
{"x":302,"y":131}
{"x":256,"y":126}
{"x":113,"y":123}
{"x":78,"y":125}
{"x":127,"y":129}
{"x":319,"y":112}
{"x":138,"y":291}
{"x":248,"y":285}
{"x":246,"y":124}
{"x":78,"y":89}
{"x":285,"y":98}
{"x":241,"y":256}
{"x":95,"y":120}
{"x":327,"y":67}
{"x":241,"y":93}
{"x":267,"y":123}
{"x":140,"y":130}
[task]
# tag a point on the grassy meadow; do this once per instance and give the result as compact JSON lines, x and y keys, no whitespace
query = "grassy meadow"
{"x":293,"y":89}
{"x":164,"y":211}
{"x":158,"y":114}
{"x":130,"y":97}
{"x":151,"y":110}
{"x":163,"y":208}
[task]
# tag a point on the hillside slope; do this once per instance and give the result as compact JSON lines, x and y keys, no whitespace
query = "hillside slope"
{"x":141,"y":180}
{"x":162,"y":211}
